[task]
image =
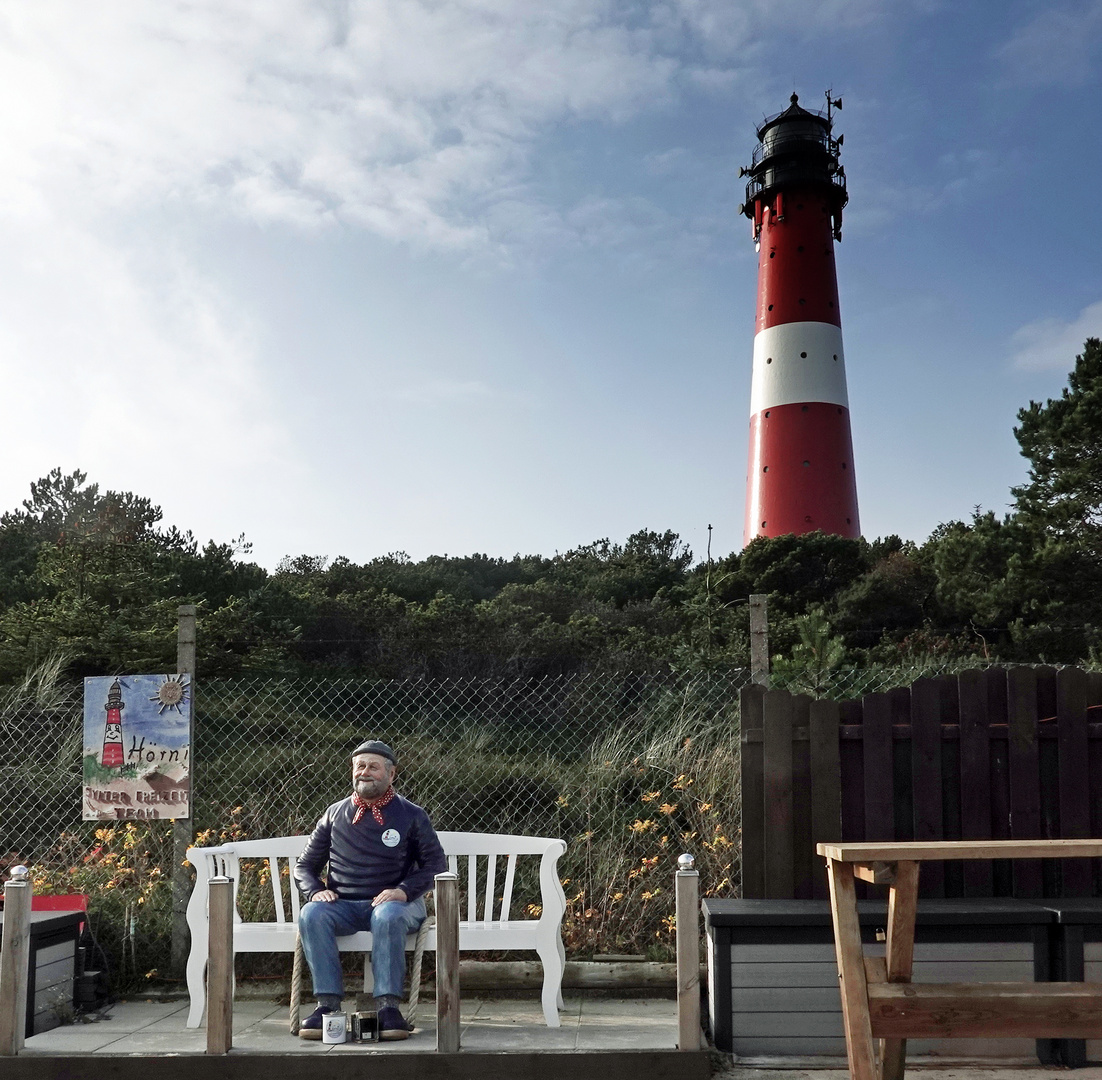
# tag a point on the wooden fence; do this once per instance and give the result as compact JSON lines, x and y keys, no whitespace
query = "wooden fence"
{"x":1001,"y":754}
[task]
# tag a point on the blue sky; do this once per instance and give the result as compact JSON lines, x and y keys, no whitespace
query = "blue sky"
{"x":444,"y":276}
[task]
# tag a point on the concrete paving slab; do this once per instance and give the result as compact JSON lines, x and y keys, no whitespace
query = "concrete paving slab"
{"x":135,"y":1015}
{"x":160,"y":1042}
{"x":86,"y":1039}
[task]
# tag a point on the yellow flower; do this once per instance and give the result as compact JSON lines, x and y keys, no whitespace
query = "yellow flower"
{"x":641,"y":827}
{"x":562,"y":800}
{"x":705,"y":806}
{"x":535,"y":910}
{"x":682,"y":782}
{"x":668,"y":807}
{"x":649,"y":796}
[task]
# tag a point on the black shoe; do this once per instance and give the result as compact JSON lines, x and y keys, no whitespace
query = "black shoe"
{"x":392,"y":1025}
{"x":310,"y":1028}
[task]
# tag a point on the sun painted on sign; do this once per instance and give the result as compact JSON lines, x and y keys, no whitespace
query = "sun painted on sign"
{"x":137,"y":747}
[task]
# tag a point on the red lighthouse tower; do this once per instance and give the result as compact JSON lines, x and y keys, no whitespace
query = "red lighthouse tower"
{"x":112,"y":730}
{"x":800,"y":472}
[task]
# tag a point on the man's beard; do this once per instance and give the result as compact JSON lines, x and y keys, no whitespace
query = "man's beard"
{"x":371,"y":789}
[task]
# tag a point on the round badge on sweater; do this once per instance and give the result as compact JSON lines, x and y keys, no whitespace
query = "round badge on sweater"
{"x":391,"y":837}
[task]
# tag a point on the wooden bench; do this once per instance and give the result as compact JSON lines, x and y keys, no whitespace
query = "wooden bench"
{"x":473,"y":856}
{"x":879,"y":1001}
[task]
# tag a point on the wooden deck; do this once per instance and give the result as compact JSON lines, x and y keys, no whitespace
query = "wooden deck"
{"x":608,"y":1039}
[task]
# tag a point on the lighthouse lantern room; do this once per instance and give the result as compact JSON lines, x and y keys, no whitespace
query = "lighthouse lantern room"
{"x":800,"y":470}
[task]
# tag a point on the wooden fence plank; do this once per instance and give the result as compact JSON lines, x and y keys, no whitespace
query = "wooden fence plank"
{"x":1025,"y":776}
{"x":804,"y":860}
{"x":777,"y":771}
{"x":1002,"y":870}
{"x":879,"y":767}
{"x":1075,"y":823}
{"x":975,"y":777}
{"x":752,"y":861}
{"x":853,"y":776}
{"x":950,"y":781}
{"x":826,"y":784}
{"x":1048,"y":762}
{"x":926,"y":776}
{"x":902,"y":782}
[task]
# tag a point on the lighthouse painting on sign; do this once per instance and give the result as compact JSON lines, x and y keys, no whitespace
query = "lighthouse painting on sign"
{"x":137,"y":747}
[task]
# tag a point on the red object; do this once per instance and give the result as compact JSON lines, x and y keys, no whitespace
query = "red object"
{"x":60,"y":902}
{"x":800,"y":474}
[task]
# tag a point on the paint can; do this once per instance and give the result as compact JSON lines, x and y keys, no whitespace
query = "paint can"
{"x":334,"y":1027}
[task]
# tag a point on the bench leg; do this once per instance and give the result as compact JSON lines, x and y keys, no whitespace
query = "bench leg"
{"x":196,"y":981}
{"x":851,"y":972}
{"x":551,"y":956}
{"x":562,"y":960}
{"x":902,"y":905}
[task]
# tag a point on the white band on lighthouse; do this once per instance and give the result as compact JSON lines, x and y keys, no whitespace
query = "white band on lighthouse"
{"x":798,"y":362}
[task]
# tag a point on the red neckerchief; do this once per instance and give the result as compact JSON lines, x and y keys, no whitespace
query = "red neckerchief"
{"x":375,"y":805}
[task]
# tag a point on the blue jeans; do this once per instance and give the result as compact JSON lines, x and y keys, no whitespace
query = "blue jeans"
{"x":321,"y":922}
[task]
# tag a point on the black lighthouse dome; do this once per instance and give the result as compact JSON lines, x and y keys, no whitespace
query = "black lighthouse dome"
{"x":796,"y":149}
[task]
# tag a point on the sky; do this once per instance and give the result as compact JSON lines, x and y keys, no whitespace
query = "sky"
{"x":455,"y":276}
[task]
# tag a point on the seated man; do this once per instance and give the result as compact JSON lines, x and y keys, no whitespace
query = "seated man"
{"x":383,"y":854}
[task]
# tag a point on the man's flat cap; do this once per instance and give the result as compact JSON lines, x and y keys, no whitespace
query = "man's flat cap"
{"x":373,"y":746}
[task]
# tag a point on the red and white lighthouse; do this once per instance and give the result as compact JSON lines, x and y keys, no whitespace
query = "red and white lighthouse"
{"x":800,"y":472}
{"x":111,"y":758}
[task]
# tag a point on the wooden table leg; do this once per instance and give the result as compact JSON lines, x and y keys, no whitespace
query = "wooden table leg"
{"x":851,"y":971}
{"x":902,"y":904}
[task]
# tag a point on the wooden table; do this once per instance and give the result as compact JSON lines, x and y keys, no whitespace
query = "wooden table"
{"x":879,"y":1001}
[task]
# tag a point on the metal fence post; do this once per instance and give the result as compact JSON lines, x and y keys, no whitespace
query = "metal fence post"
{"x":14,"y":961}
{"x":220,"y":965}
{"x":687,"y":913}
{"x":447,"y":962}
{"x":181,"y":827}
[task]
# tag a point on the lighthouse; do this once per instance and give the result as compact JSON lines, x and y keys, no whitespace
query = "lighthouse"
{"x":800,"y":470}
{"x":112,"y":730}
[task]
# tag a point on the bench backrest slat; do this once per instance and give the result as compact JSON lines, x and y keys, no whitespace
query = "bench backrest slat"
{"x":277,"y":889}
{"x":507,"y":895}
{"x":491,"y":875}
{"x":472,"y":888}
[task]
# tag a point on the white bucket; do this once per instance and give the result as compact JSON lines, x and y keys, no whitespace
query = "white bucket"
{"x":334,"y":1027}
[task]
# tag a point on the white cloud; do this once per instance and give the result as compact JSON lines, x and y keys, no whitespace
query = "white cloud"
{"x":1053,"y":343}
{"x":388,"y":114}
{"x":1059,"y":47}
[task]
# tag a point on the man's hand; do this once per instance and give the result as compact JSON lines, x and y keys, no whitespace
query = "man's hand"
{"x":390,"y":894}
{"x":325,"y":895}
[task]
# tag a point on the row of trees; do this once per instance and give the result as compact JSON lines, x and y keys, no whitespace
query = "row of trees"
{"x":94,"y":575}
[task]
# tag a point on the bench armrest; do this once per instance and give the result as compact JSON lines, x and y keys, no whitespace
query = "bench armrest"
{"x":552,"y":897}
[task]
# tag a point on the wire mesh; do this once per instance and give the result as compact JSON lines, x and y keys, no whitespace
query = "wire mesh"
{"x":628,"y":770}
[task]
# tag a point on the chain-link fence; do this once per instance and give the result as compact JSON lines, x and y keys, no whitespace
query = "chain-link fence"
{"x":629,"y":770}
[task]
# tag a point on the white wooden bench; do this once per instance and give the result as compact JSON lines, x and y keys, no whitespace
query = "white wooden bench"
{"x":473,"y":856}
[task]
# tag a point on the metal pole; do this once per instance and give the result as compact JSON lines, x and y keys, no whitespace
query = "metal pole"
{"x":220,"y":965}
{"x":687,"y":889}
{"x":181,"y":828}
{"x":447,"y":963}
{"x":759,"y":638}
{"x":14,"y":961}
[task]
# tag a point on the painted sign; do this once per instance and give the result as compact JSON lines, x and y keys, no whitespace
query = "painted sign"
{"x":137,"y":747}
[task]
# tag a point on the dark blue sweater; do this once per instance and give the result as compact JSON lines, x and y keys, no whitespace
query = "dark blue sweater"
{"x":361,"y":865}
